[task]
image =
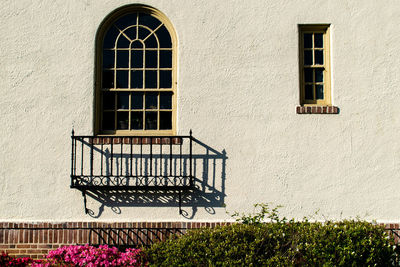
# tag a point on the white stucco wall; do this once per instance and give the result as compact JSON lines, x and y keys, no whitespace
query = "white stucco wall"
{"x":238,"y":86}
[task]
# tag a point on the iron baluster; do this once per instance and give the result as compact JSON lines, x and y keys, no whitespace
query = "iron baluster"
{"x":72,"y":156}
{"x":91,"y":157}
{"x":141,"y":157}
{"x":131,"y":173}
{"x":81,"y":156}
{"x":160,"y":174}
{"x":75,"y":156}
{"x":151,"y":156}
{"x":180,"y":157}
{"x":120,"y":161}
{"x":170,"y":156}
{"x":112,"y":155}
{"x":102,"y":155}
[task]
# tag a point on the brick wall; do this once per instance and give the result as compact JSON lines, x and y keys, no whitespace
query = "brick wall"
{"x":37,"y":239}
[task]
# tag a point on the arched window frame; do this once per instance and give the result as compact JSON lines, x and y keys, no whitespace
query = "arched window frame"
{"x":101,"y":33}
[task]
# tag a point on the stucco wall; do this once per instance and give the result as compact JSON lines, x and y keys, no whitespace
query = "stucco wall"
{"x":238,"y":86}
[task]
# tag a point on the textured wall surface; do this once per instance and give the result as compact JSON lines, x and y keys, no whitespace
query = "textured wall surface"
{"x":238,"y":88}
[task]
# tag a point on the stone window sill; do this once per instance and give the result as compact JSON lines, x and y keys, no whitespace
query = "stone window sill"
{"x":317,"y":110}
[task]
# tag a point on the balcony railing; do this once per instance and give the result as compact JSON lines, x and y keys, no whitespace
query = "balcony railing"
{"x":131,"y":163}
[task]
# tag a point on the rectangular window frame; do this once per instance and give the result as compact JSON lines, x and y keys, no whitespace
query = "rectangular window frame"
{"x":325,"y":30}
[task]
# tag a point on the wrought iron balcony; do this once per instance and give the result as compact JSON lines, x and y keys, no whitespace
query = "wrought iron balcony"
{"x":131,"y":163}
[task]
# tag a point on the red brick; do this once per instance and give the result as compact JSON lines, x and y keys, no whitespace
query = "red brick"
{"x":23,"y":246}
{"x":44,"y":246}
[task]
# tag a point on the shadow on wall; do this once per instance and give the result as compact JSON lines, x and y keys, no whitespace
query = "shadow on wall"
{"x":208,"y":170}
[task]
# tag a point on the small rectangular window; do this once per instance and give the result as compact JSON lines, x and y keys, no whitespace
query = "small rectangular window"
{"x":314,"y":61}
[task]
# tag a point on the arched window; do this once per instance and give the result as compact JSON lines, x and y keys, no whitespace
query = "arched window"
{"x":136,"y":73}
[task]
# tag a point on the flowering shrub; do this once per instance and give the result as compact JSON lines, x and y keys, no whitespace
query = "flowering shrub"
{"x":92,"y":256}
{"x":80,"y":256}
{"x":6,"y":260}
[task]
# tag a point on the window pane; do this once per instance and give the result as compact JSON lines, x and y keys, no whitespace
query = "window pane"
{"x":122,"y":58}
{"x":108,"y":58}
{"x":122,"y":79}
{"x":136,"y":59}
{"x":151,"y":59}
{"x":123,"y":42}
{"x":307,"y":40}
{"x":136,"y":44}
{"x":108,"y":79}
{"x":163,"y":37}
{"x":319,"y":75}
{"x":126,"y":21}
{"x":137,"y":79}
{"x":151,"y":120}
{"x":165,"y":120}
{"x":151,"y":79}
{"x":137,"y":120}
{"x":137,"y":100}
{"x":148,"y":20}
{"x":108,"y":100}
{"x":108,"y":121}
{"x":319,"y":91}
{"x":143,"y":33}
{"x":111,"y":36}
{"x":308,"y":73}
{"x":122,"y":120}
{"x":318,"y":40}
{"x":319,"y":57}
{"x":131,"y":33}
{"x":151,"y":100}
{"x":307,"y":57}
{"x":165,"y":79}
{"x":309,"y":92}
{"x":165,"y":100}
{"x":165,"y":59}
{"x":123,"y":100}
{"x":151,"y":42}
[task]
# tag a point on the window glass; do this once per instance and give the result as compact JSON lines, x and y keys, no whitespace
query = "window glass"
{"x":137,"y":70}
{"x":165,"y":100}
{"x":137,"y":100}
{"x":318,"y":40}
{"x":151,"y":100}
{"x":314,"y":65}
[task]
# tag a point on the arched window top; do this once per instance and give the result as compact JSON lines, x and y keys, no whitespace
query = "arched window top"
{"x":137,"y":23}
{"x":136,"y":70}
{"x":137,"y":28}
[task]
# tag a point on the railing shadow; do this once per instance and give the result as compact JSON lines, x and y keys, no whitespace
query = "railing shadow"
{"x":208,"y":169}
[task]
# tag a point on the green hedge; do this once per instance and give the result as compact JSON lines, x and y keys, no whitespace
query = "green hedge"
{"x":279,"y":243}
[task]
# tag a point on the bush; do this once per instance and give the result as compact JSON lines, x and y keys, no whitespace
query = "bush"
{"x":6,"y":260}
{"x":94,"y":256}
{"x":80,"y":256}
{"x":278,"y":243}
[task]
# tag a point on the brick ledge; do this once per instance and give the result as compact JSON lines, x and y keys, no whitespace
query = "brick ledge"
{"x":317,"y":110}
